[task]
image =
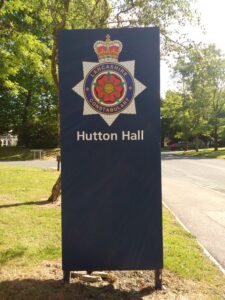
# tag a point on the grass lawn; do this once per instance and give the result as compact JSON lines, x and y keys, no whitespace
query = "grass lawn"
{"x":207,"y":153}
{"x":29,"y":229}
{"x":30,"y":235}
{"x":16,"y":153}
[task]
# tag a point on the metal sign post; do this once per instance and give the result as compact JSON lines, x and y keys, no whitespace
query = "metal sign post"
{"x":110,"y":150}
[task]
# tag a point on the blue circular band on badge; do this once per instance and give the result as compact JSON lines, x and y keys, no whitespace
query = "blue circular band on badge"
{"x":109,"y":88}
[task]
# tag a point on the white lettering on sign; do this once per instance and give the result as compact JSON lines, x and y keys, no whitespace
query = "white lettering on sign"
{"x":83,"y":136}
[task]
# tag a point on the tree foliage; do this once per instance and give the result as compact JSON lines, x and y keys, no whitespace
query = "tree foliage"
{"x":28,"y":58}
{"x":169,"y":15}
{"x":198,"y":108}
{"x":28,"y":53}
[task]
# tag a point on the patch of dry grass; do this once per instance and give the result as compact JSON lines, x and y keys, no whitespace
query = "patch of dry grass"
{"x":45,"y":282}
{"x":19,"y":153}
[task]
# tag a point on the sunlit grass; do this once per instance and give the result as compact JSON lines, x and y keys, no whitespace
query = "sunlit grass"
{"x":184,"y":256}
{"x":207,"y":153}
{"x":30,"y":229}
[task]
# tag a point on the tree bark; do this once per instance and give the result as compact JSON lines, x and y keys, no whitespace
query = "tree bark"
{"x":55,"y":78}
{"x":24,"y":130}
{"x":54,"y":55}
{"x":216,"y":138}
{"x":56,"y":190}
{"x":196,"y":144}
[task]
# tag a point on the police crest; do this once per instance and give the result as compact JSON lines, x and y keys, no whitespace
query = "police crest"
{"x":109,"y":87}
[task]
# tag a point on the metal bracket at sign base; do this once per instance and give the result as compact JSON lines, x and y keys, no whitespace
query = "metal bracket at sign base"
{"x":66,"y":277}
{"x":158,"y":279}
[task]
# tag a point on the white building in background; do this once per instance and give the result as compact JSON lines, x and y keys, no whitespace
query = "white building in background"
{"x":8,"y":140}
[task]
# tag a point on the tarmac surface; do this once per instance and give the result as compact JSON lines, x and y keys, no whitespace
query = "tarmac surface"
{"x":194,"y":190}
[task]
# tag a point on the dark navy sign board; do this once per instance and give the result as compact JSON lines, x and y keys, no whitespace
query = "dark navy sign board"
{"x":111,"y":189}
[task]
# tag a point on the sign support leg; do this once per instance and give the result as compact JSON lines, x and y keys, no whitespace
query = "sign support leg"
{"x":66,"y":276}
{"x":158,"y":279}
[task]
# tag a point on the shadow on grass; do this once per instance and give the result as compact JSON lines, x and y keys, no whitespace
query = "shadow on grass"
{"x":11,"y":254}
{"x":182,"y":156}
{"x":202,"y":154}
{"x":43,"y":202}
{"x":17,"y":153}
{"x":54,"y":289}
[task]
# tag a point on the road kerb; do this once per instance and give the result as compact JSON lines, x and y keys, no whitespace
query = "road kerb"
{"x":206,"y":252}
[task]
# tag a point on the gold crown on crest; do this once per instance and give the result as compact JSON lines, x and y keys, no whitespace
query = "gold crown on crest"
{"x":108,"y":51}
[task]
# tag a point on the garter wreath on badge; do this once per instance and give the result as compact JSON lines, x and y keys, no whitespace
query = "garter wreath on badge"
{"x":109,"y":87}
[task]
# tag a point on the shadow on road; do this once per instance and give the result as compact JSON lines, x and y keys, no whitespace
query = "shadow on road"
{"x":54,"y":289}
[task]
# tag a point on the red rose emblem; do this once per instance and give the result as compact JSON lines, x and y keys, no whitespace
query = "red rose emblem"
{"x":109,"y":88}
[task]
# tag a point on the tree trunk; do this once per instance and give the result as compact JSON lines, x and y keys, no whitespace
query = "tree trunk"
{"x":215,"y":138}
{"x":196,"y":144}
{"x":56,"y":190}
{"x":24,"y":134}
{"x":55,"y":79}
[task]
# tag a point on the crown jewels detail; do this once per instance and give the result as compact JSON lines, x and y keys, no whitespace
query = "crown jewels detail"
{"x":108,"y":51}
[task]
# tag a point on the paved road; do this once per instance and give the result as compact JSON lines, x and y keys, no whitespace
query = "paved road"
{"x":194,"y":189}
{"x":32,"y":163}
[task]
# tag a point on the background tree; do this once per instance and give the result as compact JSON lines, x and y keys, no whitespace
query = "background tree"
{"x":169,"y":15}
{"x":175,"y":116}
{"x":215,"y":91}
{"x":199,"y":108}
{"x":28,"y":74}
{"x":25,"y":80}
{"x":28,"y":77}
{"x":28,"y":50}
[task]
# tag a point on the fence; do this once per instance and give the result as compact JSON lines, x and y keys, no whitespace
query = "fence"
{"x":8,"y":140}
